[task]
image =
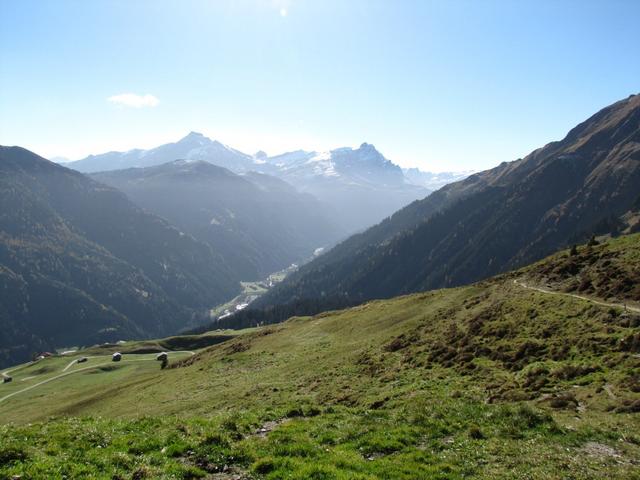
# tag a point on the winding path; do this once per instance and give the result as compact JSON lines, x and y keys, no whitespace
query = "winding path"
{"x":6,"y":397}
{"x":65,"y":373}
{"x":580,"y":297}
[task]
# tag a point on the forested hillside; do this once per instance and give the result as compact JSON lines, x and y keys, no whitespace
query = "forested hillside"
{"x":79,"y":263}
{"x":258,"y":223}
{"x":516,"y":213}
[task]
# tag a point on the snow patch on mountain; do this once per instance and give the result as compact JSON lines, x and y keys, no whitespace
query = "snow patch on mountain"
{"x":432,"y":180}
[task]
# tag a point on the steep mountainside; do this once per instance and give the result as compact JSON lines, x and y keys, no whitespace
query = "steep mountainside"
{"x":491,"y":380}
{"x":495,"y":220}
{"x":259,"y":224}
{"x":79,"y":263}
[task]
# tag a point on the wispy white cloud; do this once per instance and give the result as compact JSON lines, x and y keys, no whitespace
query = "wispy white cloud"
{"x":133,"y":100}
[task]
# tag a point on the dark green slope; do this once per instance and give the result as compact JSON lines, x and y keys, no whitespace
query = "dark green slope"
{"x":499,"y":219}
{"x":257,"y":223}
{"x":79,"y":263}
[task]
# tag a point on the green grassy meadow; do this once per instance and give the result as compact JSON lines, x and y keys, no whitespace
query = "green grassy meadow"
{"x":488,"y":381}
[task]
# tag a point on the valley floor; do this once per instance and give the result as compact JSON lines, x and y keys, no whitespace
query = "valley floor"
{"x":251,"y":291}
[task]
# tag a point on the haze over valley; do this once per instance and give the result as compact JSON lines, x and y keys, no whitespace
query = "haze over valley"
{"x":287,"y":239}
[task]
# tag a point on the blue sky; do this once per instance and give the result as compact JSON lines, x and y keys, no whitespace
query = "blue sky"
{"x":443,"y":85}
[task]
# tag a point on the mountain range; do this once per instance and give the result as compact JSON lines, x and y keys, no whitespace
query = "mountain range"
{"x":145,"y":251}
{"x":360,"y":186}
{"x":586,"y":184}
{"x":194,"y":146}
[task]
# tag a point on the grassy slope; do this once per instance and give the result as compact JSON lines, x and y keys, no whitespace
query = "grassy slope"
{"x":484,"y":381}
{"x":610,"y":271}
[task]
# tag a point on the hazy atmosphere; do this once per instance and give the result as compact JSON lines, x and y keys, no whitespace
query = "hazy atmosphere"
{"x":319,"y":239}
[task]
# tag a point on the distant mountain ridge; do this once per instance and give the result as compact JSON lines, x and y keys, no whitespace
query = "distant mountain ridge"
{"x":80,"y":263}
{"x":434,"y":181}
{"x":360,"y":185}
{"x":516,"y":213}
{"x":258,"y":223}
{"x":194,"y":146}
{"x":364,"y":165}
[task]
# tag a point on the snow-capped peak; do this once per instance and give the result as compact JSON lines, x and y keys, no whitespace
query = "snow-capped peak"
{"x":196,"y":139}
